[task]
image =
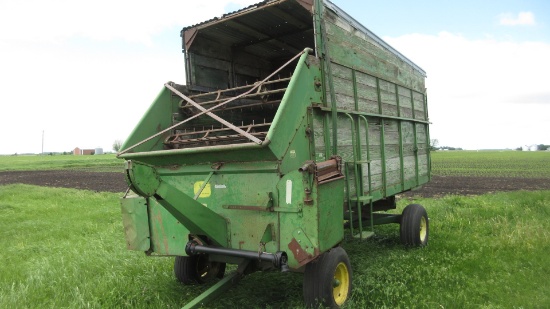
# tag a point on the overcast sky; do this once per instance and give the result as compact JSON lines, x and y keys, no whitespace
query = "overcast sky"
{"x":84,"y":72}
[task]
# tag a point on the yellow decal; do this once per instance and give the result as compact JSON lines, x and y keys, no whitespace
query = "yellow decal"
{"x":205,"y":192}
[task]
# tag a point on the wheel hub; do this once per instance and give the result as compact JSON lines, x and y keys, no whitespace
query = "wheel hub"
{"x":341,"y":283}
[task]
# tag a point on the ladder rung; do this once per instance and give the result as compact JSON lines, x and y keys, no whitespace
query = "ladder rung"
{"x":364,"y":198}
{"x":364,"y":235}
{"x":362,"y":162}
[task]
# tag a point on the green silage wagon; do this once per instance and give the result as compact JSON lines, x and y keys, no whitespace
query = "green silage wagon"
{"x":296,"y":124}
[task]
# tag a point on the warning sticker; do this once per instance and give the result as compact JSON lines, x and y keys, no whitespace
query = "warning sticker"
{"x":205,"y":192}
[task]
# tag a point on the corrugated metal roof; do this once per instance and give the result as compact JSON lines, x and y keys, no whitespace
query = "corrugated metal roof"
{"x":276,"y":25}
{"x":276,"y":29}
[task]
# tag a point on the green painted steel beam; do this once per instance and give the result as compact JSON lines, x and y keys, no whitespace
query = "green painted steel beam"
{"x":226,"y":168}
{"x":320,"y":48}
{"x":369,"y":178}
{"x":188,"y":151}
{"x":362,"y":199}
{"x":378,"y":96}
{"x":383,"y":157}
{"x":326,"y":65}
{"x":412,"y":105}
{"x":400,"y":134}
{"x":416,"y":169}
{"x":196,"y":217}
{"x":343,"y":111}
{"x":349,"y":200}
{"x":354,"y":84}
{"x":428,"y":141}
{"x":380,"y":219}
{"x":368,"y":149}
{"x":326,"y":136}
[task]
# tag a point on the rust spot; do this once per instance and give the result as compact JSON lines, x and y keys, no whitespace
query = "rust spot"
{"x":299,"y":254}
{"x":158,"y":218}
{"x":174,"y":167}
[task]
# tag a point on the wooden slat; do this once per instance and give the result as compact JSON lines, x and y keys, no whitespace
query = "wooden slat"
{"x":347,"y":47}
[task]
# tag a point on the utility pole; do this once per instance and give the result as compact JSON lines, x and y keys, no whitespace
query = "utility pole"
{"x":42,"y":142}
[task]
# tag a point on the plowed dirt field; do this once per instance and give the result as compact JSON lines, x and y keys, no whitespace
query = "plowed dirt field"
{"x":114,"y":182}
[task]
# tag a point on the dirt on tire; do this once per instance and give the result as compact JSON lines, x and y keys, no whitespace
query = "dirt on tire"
{"x":114,"y":182}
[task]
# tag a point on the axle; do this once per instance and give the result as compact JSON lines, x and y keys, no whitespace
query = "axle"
{"x":278,"y":259}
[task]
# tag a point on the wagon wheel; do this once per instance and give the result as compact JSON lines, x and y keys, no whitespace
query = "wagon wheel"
{"x":327,"y":280}
{"x":415,"y":226}
{"x":197,"y":269}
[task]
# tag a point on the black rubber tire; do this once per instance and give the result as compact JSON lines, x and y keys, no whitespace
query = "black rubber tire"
{"x":415,"y":226}
{"x":197,"y":269}
{"x":320,"y":275}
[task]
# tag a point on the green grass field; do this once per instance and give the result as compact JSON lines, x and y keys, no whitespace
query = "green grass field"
{"x":65,"y":248}
{"x":444,"y":163}
{"x":523,"y":164}
{"x":99,"y":163}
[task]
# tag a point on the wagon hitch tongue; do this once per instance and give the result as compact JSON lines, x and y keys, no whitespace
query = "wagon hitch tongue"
{"x":278,"y":260}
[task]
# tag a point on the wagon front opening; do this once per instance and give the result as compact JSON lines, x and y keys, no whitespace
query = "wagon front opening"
{"x":228,"y":56}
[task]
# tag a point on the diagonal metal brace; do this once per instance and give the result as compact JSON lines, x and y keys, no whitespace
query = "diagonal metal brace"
{"x":219,"y":119}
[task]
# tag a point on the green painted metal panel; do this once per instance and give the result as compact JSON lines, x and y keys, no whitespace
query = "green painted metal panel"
{"x":295,"y":216}
{"x":227,"y":153}
{"x":143,"y":179}
{"x":168,"y":235}
{"x":157,"y":118}
{"x":136,"y":223}
{"x":329,"y":201}
{"x":298,"y":150}
{"x":199,"y":219}
{"x":297,"y":97}
{"x":257,"y":167}
{"x":244,"y":194}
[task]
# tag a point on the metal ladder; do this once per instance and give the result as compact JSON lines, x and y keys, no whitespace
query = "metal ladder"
{"x":360,"y":198}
